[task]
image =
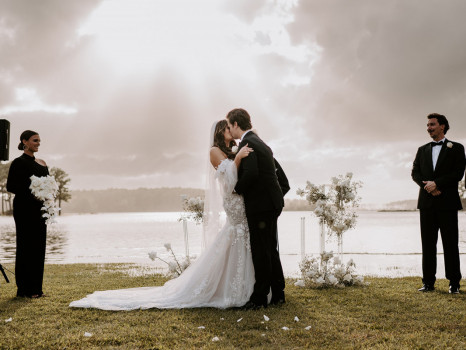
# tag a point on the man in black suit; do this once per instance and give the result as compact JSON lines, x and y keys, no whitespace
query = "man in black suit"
{"x":263,"y":184}
{"x":437,"y":169}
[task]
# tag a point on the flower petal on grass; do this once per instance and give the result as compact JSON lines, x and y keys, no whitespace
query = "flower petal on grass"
{"x":201,"y":327}
{"x":239,"y":320}
{"x":87,"y":334}
{"x":9,"y":320}
{"x":215,"y":339}
{"x":296,"y":319}
{"x":308,"y":328}
{"x":285,"y":328}
{"x":266,"y":318}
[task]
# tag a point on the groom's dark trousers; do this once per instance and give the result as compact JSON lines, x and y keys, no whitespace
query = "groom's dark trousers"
{"x":263,"y":183}
{"x":440,"y":212}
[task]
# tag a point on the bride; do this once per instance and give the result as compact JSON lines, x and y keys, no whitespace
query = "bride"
{"x":223,"y":276}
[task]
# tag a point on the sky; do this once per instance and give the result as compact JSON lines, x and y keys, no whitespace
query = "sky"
{"x":124,"y":92}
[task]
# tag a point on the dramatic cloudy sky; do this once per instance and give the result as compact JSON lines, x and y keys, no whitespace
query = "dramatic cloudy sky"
{"x":124,"y":92}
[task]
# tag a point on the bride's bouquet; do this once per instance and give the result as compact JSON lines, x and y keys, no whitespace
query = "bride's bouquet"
{"x":45,"y":189}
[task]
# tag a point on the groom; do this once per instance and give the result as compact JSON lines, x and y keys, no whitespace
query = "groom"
{"x":263,"y":184}
{"x":437,"y":169}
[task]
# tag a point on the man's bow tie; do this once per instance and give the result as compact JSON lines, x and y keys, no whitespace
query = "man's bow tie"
{"x":433,"y":144}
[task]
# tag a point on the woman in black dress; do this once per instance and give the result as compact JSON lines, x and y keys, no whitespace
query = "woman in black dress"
{"x":31,"y":230}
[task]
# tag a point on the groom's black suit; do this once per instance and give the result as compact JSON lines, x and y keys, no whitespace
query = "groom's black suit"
{"x":440,"y":212}
{"x":263,"y":184}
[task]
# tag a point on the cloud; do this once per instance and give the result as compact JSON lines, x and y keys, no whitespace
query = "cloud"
{"x":332,"y":86}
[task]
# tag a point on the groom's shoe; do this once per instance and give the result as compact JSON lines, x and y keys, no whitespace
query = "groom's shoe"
{"x":277,"y":301}
{"x":426,"y":288}
{"x":250,"y":305}
{"x":454,"y":289}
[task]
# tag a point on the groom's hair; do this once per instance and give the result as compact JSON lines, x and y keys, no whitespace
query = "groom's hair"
{"x":442,"y":120}
{"x":240,"y":116}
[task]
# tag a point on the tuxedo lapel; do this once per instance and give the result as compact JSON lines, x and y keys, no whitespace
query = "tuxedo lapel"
{"x":428,"y":155}
{"x":442,"y":155}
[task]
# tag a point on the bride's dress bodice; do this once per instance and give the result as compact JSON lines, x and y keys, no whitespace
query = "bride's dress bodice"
{"x":222,"y":276}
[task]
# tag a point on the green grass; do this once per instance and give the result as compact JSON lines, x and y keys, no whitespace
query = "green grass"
{"x":387,"y":314}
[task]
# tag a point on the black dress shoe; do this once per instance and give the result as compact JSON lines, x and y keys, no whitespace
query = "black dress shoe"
{"x":426,"y":288}
{"x":454,"y":290}
{"x":277,"y":301}
{"x":250,"y":305}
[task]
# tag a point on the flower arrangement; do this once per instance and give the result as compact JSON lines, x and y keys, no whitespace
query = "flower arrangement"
{"x":327,"y":271}
{"x":335,"y":208}
{"x":449,"y":145}
{"x":175,"y":267}
{"x":194,"y":208}
{"x":234,"y":149}
{"x":45,"y":189}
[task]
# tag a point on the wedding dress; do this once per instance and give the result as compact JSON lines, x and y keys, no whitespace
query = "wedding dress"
{"x":221,"y":277}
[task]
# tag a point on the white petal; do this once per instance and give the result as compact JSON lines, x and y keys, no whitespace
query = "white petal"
{"x":285,"y":328}
{"x":308,"y":328}
{"x":201,"y":327}
{"x":239,"y":320}
{"x":296,"y":319}
{"x":9,"y":320}
{"x":263,"y":334}
{"x":266,"y":318}
{"x":87,"y":334}
{"x":221,"y":318}
{"x":215,"y":339}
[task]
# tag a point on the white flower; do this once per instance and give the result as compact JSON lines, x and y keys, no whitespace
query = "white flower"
{"x":87,"y":334}
{"x":336,"y":260}
{"x":266,"y":318}
{"x":9,"y":320}
{"x":320,"y":280}
{"x":153,"y":255}
{"x":215,"y":339}
{"x":300,"y":283}
{"x":234,"y":149}
{"x":308,"y":328}
{"x":167,"y":246}
{"x":296,"y":319}
{"x":45,"y":189}
{"x":348,"y":278}
{"x":285,"y":328}
{"x":449,"y":145}
{"x":332,"y":279}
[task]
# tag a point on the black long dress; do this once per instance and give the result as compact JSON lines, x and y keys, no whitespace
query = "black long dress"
{"x":31,"y":230}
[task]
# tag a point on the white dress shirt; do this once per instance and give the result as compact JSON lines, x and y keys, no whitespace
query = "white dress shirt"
{"x":436,"y":151}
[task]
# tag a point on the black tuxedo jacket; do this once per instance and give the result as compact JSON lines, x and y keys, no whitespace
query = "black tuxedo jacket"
{"x":261,"y":180}
{"x":448,"y":172}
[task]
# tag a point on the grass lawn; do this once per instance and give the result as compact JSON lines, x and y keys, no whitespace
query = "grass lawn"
{"x":388,"y":313}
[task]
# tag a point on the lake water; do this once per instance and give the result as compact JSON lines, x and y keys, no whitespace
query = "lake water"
{"x":382,"y":244}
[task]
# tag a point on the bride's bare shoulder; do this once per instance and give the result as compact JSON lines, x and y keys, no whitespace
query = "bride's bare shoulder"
{"x":216,"y":156}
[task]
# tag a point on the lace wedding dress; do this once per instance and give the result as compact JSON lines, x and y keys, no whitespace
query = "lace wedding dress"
{"x":221,"y":277}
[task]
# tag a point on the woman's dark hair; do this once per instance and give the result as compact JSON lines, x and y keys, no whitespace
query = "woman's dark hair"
{"x":442,"y":120}
{"x":241,"y":116}
{"x":26,"y":135}
{"x":219,"y":139}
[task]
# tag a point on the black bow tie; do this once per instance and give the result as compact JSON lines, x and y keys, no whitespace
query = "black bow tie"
{"x":433,"y":144}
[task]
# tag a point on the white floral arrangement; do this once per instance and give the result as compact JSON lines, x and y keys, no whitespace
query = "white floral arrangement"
{"x":336,"y":207}
{"x":449,"y":145}
{"x":234,"y":149}
{"x":327,"y":271}
{"x":175,"y":267}
{"x":194,"y":208}
{"x":45,"y":189}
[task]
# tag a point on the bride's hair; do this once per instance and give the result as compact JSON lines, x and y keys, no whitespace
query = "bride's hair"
{"x":219,"y":139}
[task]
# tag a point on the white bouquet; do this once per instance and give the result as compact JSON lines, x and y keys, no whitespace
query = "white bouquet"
{"x":45,"y":189}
